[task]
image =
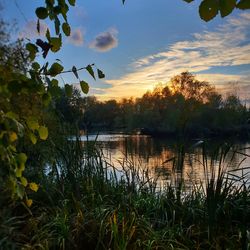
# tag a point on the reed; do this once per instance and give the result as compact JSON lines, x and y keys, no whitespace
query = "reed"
{"x":85,"y":202}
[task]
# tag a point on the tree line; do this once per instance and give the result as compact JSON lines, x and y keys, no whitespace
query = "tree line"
{"x":184,"y":106}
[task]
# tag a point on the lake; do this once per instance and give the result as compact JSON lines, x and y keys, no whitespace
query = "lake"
{"x":171,"y":161}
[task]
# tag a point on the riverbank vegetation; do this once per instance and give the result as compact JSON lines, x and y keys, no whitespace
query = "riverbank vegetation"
{"x":83,"y":202}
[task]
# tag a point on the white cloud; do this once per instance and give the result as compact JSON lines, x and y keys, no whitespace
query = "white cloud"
{"x":76,"y":37}
{"x":228,"y":45}
{"x":105,"y":41}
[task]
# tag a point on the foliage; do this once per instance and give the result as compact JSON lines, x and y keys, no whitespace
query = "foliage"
{"x":208,"y":9}
{"x":17,"y":121}
{"x":26,"y":91}
{"x":186,"y":85}
{"x":183,"y":106}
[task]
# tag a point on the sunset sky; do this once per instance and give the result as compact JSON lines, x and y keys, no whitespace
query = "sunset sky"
{"x":145,"y":42}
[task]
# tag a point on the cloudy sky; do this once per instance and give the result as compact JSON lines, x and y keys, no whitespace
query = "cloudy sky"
{"x":146,"y":42}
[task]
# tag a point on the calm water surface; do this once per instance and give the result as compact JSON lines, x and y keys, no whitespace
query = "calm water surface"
{"x":163,"y":157}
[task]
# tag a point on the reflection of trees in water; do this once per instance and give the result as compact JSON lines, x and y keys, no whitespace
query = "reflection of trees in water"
{"x":173,"y":161}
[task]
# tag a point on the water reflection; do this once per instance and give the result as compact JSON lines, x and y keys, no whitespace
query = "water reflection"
{"x":173,"y":161}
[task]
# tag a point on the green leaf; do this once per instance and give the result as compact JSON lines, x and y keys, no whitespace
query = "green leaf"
{"x":42,"y":13}
{"x":24,"y":181}
{"x":57,"y":25}
{"x":64,"y":10}
{"x":33,"y":49}
{"x":66,"y":29}
{"x":55,"y":69}
{"x":100,"y":74}
{"x":74,"y":70}
{"x":38,"y":26}
{"x":56,"y":43}
{"x":84,"y":86}
{"x":57,"y":10}
{"x":208,"y":9}
{"x":32,"y":123}
{"x":226,"y":7}
{"x":90,"y":70}
{"x":14,"y":86}
{"x":36,"y":66}
{"x":22,"y":167}
{"x":46,"y":99}
{"x":54,"y":82}
{"x":68,"y":90}
{"x":12,"y":115}
{"x":22,"y":158}
{"x":243,"y":5}
{"x":55,"y":91}
{"x":20,"y":191}
{"x":18,"y":172}
{"x":43,"y":133}
{"x":33,"y":138}
{"x":48,"y":34}
{"x":72,"y":2}
{"x":50,"y":2}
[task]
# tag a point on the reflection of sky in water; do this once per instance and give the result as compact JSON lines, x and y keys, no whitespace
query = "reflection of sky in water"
{"x":158,"y":155}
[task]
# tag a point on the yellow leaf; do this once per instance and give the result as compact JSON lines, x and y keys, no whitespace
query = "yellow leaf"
{"x":18,"y":172}
{"x":22,"y":158}
{"x":24,"y":181}
{"x":33,"y":138}
{"x":33,"y":186}
{"x":43,"y":132}
{"x":12,"y":136}
{"x":22,"y":167}
{"x":32,"y":123}
{"x":29,"y":202}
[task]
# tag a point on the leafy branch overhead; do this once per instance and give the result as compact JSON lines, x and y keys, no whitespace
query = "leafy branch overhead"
{"x":83,"y":84}
{"x":57,"y":12}
{"x":36,"y":89}
{"x":208,"y":9}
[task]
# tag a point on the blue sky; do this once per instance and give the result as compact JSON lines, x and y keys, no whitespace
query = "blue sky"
{"x":145,"y":42}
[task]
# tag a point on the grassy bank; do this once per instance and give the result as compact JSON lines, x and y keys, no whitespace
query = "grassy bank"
{"x":84,"y":203}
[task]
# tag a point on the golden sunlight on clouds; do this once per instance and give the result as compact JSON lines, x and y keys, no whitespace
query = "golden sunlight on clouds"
{"x":227,"y":84}
{"x":227,"y":46}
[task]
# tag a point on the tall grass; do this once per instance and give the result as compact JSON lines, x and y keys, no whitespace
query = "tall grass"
{"x":85,"y":202}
